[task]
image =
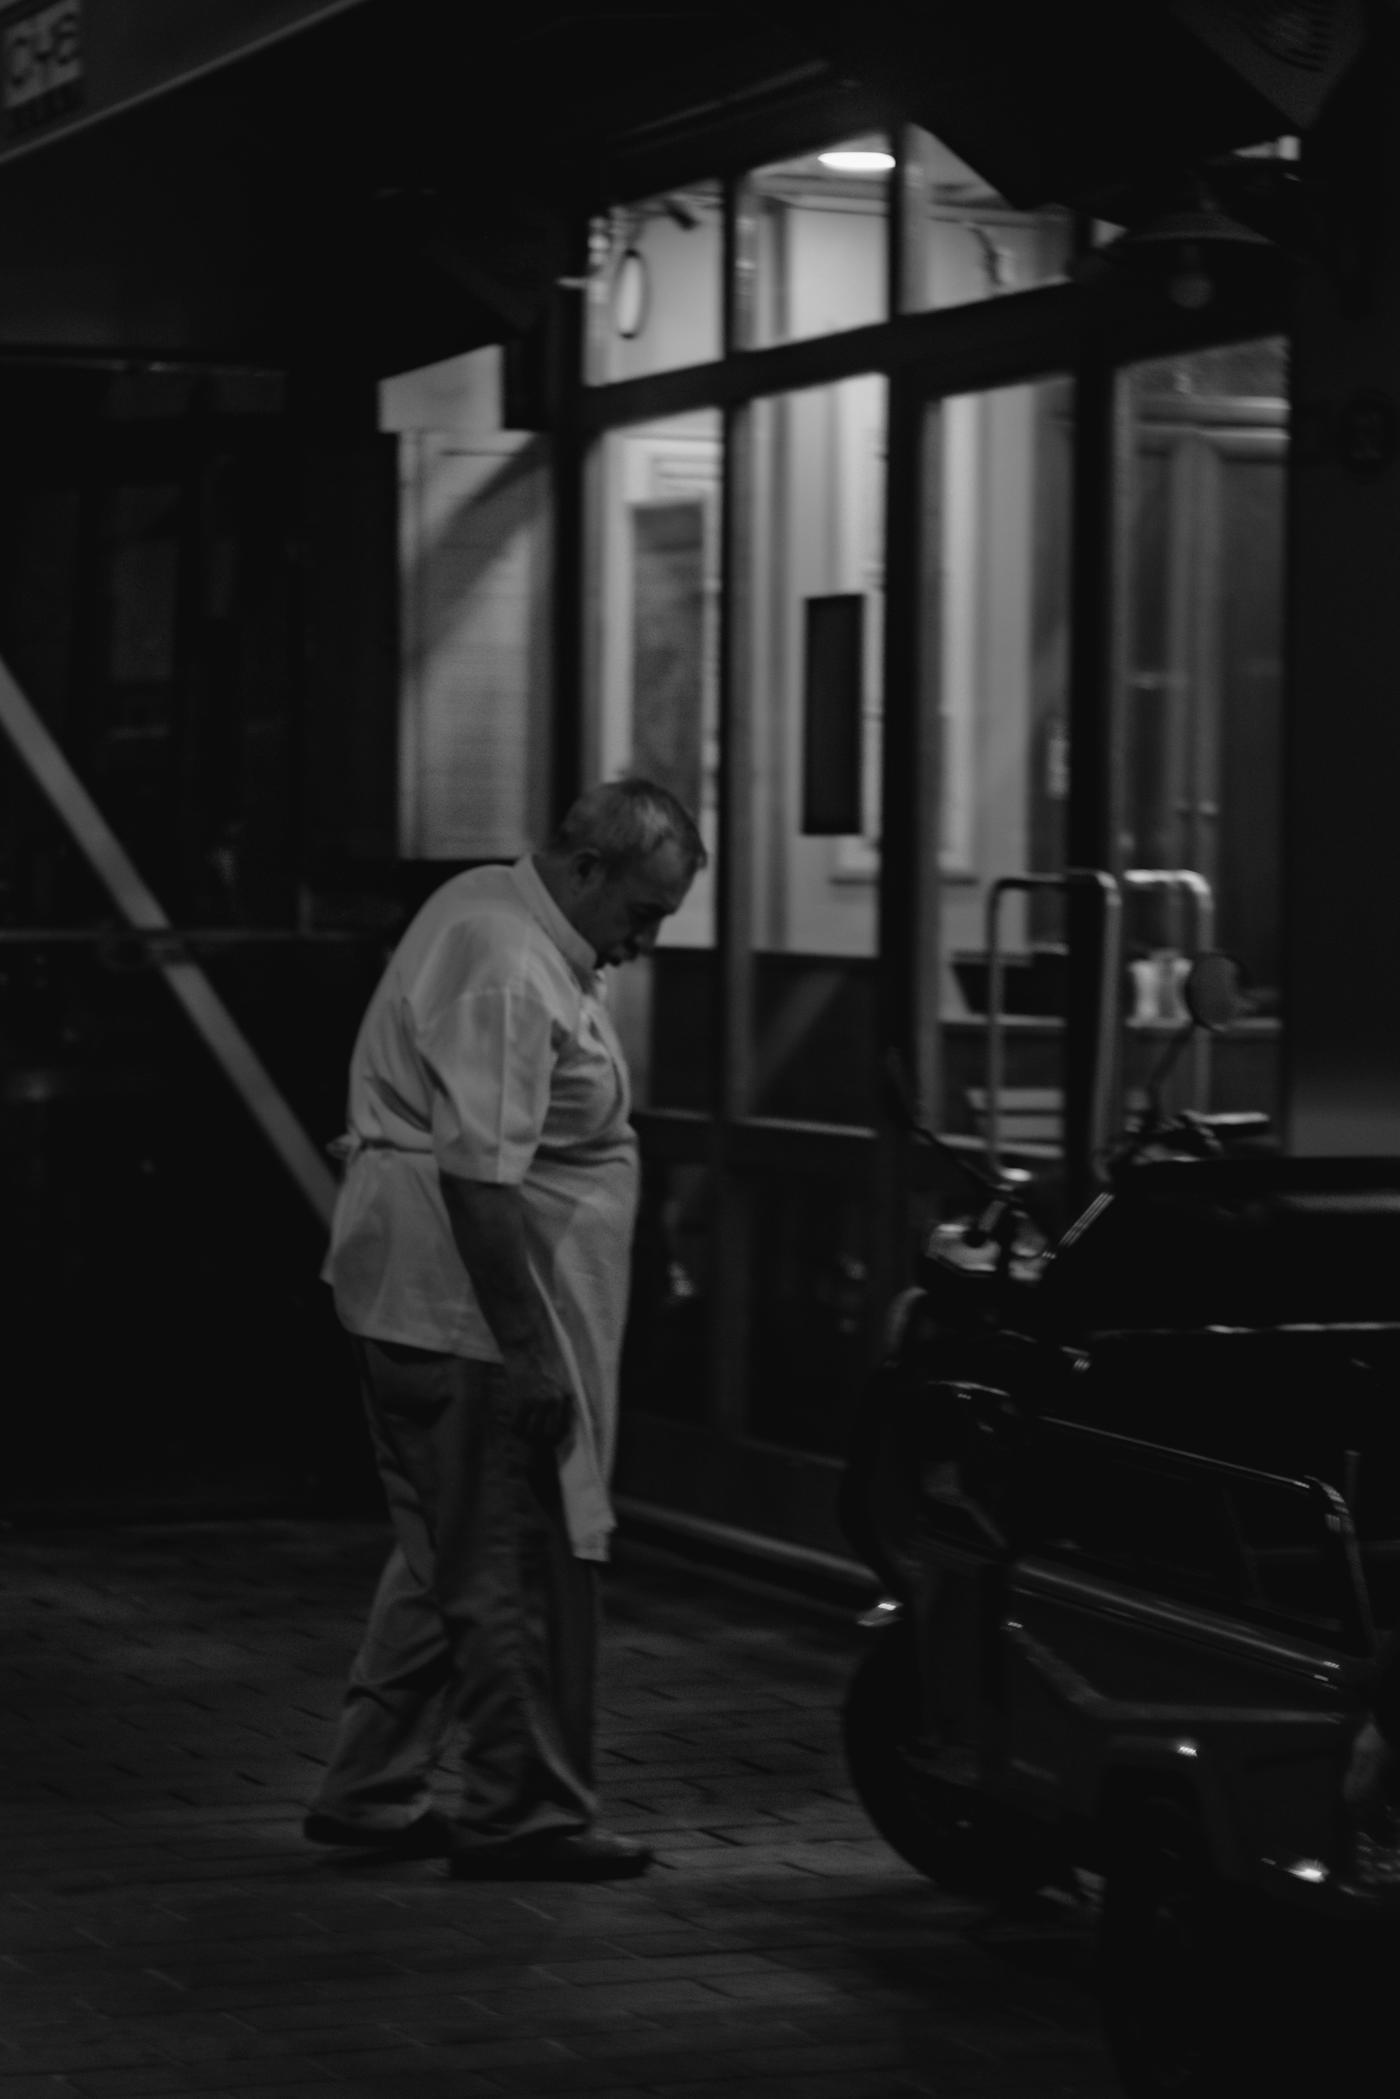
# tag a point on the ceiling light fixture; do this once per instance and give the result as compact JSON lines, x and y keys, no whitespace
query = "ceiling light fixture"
{"x":851,"y":160}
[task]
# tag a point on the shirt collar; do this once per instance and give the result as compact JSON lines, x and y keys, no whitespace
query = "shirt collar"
{"x":577,"y":952}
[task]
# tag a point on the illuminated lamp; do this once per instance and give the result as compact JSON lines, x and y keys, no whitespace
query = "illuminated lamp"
{"x":857,"y":160}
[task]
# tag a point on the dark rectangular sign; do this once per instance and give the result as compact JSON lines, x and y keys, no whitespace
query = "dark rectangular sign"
{"x":832,"y":706}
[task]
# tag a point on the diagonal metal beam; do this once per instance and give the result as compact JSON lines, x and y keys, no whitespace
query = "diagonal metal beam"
{"x":206,"y":1011}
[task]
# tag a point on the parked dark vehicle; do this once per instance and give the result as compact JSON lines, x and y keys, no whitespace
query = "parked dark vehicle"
{"x":1134,"y":1498}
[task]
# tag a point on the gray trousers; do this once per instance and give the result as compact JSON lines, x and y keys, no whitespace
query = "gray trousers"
{"x":482,"y":1637}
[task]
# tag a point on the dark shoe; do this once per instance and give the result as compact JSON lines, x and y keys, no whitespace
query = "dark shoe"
{"x":594,"y":1854}
{"x":430,"y":1836}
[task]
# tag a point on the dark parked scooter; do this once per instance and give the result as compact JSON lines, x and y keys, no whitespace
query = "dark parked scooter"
{"x":1004,"y":1313}
{"x":1133,"y":1497}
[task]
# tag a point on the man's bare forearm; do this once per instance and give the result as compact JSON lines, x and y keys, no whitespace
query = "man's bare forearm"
{"x":488,"y":1225}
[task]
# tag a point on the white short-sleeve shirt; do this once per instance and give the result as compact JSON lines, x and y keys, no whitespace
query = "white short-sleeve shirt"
{"x":487,"y":1052}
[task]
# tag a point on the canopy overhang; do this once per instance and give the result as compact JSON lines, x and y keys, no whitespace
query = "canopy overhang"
{"x":355,"y":184}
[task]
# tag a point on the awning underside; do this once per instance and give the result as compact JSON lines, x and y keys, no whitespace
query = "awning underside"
{"x":396,"y":183}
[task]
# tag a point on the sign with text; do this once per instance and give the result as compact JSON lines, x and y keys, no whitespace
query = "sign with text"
{"x":41,"y":63}
{"x":65,"y":63}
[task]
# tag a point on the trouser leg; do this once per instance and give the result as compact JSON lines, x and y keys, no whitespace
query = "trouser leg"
{"x":396,"y":1712}
{"x":485,"y":1623}
{"x":526,"y":1704}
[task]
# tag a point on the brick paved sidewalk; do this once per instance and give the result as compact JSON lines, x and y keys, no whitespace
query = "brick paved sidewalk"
{"x":168,"y":1692}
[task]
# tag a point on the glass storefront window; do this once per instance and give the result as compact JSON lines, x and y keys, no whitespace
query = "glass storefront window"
{"x":655,"y":285}
{"x":820,"y":261}
{"x":976,"y":245}
{"x":811,"y":1306}
{"x":818,"y":597}
{"x":666,"y":1356}
{"x":1202,"y":698}
{"x":999,"y":507}
{"x":654,"y":705}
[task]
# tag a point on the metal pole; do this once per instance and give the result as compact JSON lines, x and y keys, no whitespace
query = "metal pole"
{"x":1094,"y":825}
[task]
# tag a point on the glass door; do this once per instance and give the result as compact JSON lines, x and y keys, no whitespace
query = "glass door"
{"x":993,"y":702}
{"x":1200,"y":689}
{"x":1196,"y":707}
{"x":654,"y":649}
{"x":805,"y":1198}
{"x":752,"y":1033}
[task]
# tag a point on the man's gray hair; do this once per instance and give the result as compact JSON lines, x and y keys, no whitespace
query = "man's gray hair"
{"x":624,"y":821}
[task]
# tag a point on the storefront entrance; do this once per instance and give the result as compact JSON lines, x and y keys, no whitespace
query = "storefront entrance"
{"x":975,"y":590}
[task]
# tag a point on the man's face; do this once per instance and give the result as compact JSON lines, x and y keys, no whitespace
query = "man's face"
{"x":620,"y":915}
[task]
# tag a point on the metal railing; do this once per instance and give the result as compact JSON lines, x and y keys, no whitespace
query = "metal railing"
{"x":1102,"y":885}
{"x":1186,"y":881}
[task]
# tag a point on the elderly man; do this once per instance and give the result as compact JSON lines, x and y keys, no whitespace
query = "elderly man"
{"x":479,"y":1257}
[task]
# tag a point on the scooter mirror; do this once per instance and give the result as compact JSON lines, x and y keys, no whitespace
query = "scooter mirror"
{"x":1214,"y":991}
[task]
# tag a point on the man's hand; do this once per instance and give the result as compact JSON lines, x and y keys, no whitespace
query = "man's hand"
{"x":488,"y":1224}
{"x":1369,"y":1779}
{"x":544,"y":1410}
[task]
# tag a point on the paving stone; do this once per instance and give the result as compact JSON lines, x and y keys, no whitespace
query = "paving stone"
{"x":555,"y":2007}
{"x":252,"y":2074}
{"x":715,"y":2039}
{"x":486,"y":2056}
{"x":306,"y":2088}
{"x":574,"y":2076}
{"x":695,"y":1967}
{"x":331,"y":2014}
{"x":429,"y":2081}
{"x":58,"y":2056}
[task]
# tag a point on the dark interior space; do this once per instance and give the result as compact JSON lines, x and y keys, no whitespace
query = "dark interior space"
{"x":165,"y":543}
